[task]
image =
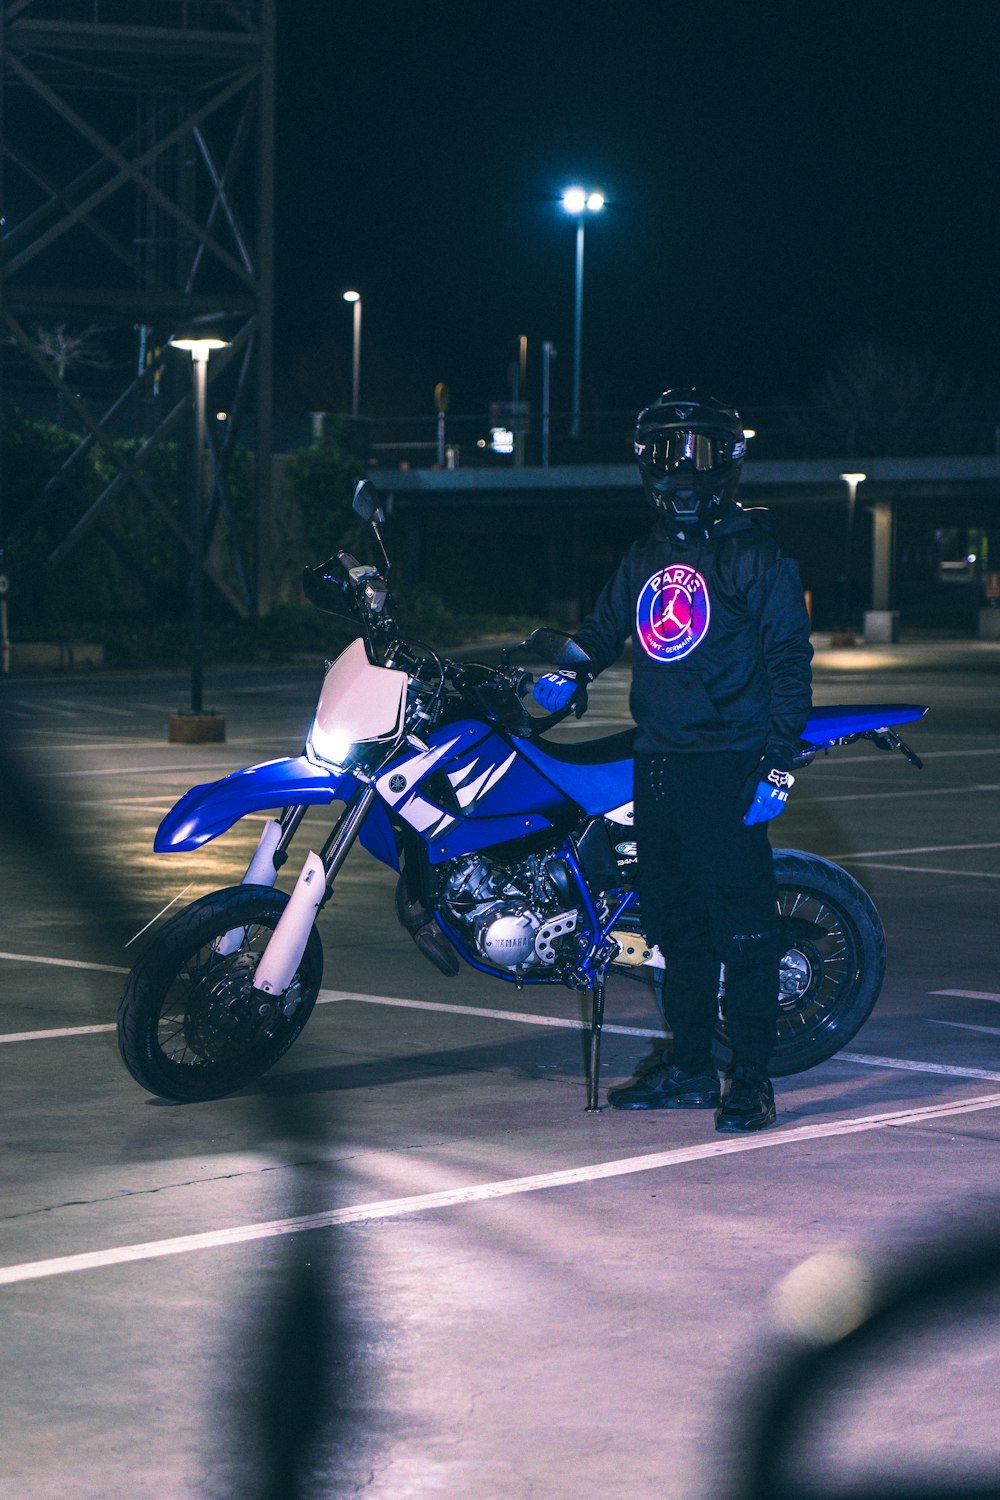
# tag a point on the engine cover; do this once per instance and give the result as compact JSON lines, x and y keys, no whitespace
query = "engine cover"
{"x":513,"y":916}
{"x":507,"y":937}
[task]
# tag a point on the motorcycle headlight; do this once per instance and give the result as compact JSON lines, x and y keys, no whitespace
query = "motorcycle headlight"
{"x":331,"y":747}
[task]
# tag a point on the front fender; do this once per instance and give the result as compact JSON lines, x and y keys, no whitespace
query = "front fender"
{"x":208,"y":810}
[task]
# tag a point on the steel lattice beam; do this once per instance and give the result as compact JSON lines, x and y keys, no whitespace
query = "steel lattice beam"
{"x":137,"y":163}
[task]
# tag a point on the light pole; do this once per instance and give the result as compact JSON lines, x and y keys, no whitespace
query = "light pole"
{"x":852,"y":481}
{"x":548,"y":355}
{"x":196,"y":725}
{"x":355,"y":297}
{"x":579,"y":202}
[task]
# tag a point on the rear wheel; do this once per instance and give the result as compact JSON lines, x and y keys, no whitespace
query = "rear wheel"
{"x":190,"y":1025}
{"x":831,"y":970}
{"x":833,"y":964}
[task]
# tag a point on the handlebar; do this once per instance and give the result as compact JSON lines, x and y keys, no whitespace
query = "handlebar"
{"x":577,"y":705}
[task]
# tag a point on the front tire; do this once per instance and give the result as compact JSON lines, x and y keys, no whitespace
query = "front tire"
{"x":190,"y":1026}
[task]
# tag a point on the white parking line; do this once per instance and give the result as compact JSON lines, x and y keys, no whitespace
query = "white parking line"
{"x":175,"y":770}
{"x":42,"y":1036}
{"x":969,"y":994}
{"x":392,"y":1208}
{"x":480,"y":1012}
{"x":61,"y":963}
{"x":929,"y":755}
{"x":810,"y":799}
{"x":260,"y":742}
{"x":326,"y":997}
{"x":919,"y":849}
{"x":47,"y":707}
{"x":965,"y":1026}
{"x":875,"y":864}
{"x":92,"y":707}
{"x":883,"y":758}
{"x":907,"y":1065}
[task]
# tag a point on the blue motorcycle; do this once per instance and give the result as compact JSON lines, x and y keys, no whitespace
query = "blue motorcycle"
{"x":515,"y":855}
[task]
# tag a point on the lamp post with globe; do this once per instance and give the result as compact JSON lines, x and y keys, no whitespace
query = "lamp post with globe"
{"x":195,"y":725}
{"x":579,"y":202}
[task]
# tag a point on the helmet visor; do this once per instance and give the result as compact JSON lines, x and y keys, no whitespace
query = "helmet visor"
{"x":665,"y":450}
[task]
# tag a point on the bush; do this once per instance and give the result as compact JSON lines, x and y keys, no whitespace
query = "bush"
{"x":125,"y":583}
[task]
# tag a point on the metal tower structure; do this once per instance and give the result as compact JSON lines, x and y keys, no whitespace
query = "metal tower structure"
{"x":137,"y":199}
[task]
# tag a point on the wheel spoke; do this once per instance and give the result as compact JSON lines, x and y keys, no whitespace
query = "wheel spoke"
{"x":190,"y":1022}
{"x":828,"y":960}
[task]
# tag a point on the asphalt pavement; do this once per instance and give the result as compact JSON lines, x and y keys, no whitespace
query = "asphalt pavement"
{"x":407,"y":1262}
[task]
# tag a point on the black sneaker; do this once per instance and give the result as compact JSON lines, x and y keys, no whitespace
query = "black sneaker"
{"x":664,"y":1085}
{"x":749,"y":1103}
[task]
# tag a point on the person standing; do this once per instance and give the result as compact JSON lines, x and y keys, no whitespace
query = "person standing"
{"x":721,"y":690}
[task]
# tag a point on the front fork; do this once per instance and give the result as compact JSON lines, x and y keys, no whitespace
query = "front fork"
{"x":283,"y":953}
{"x":268,"y":858}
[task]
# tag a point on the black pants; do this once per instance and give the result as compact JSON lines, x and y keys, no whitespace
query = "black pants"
{"x":708,"y":894}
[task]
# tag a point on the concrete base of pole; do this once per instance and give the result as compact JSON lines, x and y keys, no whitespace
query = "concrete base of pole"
{"x":989,"y":624}
{"x":881,"y":625}
{"x":195,"y":729}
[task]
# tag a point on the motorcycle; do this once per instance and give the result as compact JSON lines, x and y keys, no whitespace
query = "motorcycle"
{"x":515,"y":854}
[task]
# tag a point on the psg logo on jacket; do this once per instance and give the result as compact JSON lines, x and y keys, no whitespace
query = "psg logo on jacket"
{"x":672,"y":613}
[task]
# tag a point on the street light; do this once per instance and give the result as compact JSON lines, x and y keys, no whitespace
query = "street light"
{"x":852,"y":481}
{"x":579,"y":202}
{"x":355,"y":297}
{"x":196,"y":725}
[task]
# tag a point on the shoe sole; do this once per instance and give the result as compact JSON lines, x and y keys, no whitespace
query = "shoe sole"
{"x":733,"y":1127}
{"x":682,"y":1101}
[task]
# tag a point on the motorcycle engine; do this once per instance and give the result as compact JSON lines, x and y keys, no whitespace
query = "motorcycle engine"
{"x":514,"y":916}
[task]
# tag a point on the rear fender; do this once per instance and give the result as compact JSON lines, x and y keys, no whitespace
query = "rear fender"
{"x":834,"y":722}
{"x":210,"y":809}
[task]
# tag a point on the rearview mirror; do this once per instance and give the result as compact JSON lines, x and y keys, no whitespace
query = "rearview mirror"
{"x":367,"y":502}
{"x":556,"y":647}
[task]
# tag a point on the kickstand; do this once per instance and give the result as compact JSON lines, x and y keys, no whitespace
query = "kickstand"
{"x":596,"y":1021}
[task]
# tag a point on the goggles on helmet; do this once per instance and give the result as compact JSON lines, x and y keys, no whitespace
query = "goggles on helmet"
{"x":664,"y":451}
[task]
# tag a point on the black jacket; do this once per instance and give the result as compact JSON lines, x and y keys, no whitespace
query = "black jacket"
{"x":720,"y":651}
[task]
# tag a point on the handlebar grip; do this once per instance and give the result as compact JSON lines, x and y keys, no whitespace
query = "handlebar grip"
{"x":577,"y":705}
{"x":548,"y":721}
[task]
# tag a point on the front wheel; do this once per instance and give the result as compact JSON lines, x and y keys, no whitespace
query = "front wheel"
{"x":190,"y":1026}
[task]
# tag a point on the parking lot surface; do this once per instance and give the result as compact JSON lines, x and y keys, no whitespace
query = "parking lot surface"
{"x":407,"y":1261}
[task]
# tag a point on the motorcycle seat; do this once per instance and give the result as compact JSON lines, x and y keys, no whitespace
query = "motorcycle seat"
{"x":599,"y":752}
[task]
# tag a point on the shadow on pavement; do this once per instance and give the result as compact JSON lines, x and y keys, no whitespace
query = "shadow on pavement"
{"x":855,"y":1327}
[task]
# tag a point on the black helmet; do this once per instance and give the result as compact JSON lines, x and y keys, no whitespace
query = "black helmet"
{"x":689,"y":448}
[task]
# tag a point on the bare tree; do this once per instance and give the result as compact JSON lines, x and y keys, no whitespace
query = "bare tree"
{"x":884,"y":401}
{"x":63,"y":350}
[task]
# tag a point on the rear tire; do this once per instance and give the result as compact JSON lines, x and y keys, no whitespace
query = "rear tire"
{"x":189,"y":1024}
{"x":831,"y":970}
{"x":833,"y":965}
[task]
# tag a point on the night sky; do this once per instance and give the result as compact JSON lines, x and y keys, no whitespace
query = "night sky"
{"x":783,"y":180}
